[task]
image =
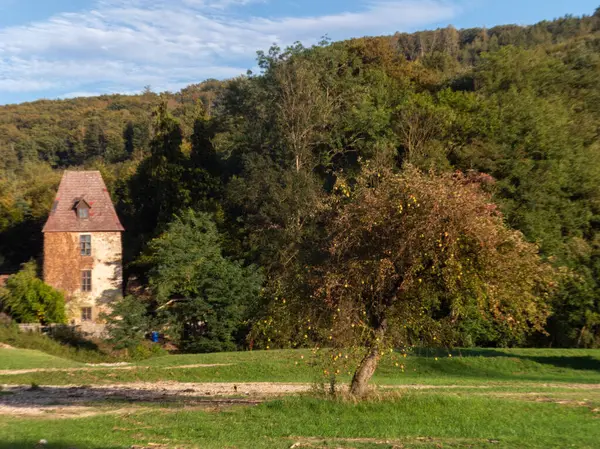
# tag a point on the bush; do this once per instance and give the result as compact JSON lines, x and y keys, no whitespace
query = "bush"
{"x":68,"y":344}
{"x":128,"y":323}
{"x":146,"y":350}
{"x":12,"y":336}
{"x":5,"y":320}
{"x":27,"y":299}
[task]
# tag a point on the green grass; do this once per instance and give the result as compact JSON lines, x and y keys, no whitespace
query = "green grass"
{"x":522,"y":398}
{"x":416,"y":420}
{"x":65,"y":346}
{"x":29,"y":358}
{"x":71,"y":345}
{"x":470,"y":367}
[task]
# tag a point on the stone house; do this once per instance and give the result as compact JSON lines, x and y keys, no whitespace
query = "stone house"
{"x":82,"y":247}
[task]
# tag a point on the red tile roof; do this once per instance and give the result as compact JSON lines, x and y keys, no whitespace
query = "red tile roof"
{"x":89,"y":186}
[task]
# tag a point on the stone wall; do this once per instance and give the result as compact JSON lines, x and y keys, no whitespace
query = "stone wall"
{"x":63,"y":265}
{"x":88,"y":329}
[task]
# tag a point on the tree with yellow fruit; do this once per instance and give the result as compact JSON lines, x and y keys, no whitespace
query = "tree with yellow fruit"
{"x":415,"y":256}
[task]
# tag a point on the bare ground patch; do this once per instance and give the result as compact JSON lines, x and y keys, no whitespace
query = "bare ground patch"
{"x":83,"y":400}
{"x":112,"y":366}
{"x":57,"y":411}
{"x":77,"y":400}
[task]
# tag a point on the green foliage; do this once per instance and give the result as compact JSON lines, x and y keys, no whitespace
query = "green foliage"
{"x":78,"y":350}
{"x":26,"y":195}
{"x":145,"y":350}
{"x":202,"y":296}
{"x":262,"y":153}
{"x":28,"y":300}
{"x":155,"y":190}
{"x":173,"y":177}
{"x":421,"y":258}
{"x":128,"y":323}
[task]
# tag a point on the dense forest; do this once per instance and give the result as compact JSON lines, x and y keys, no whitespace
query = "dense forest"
{"x":243,"y":170}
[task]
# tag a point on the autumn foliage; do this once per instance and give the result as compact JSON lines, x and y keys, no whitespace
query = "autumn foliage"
{"x":417,"y":256}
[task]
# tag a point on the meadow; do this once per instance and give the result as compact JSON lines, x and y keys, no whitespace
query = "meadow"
{"x":507,"y":398}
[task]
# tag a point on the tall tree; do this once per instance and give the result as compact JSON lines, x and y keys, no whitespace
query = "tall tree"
{"x":418,"y":256}
{"x":202,"y":296}
{"x":157,"y":192}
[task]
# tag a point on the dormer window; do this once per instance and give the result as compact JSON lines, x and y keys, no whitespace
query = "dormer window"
{"x":83,"y":212}
{"x":82,"y":208}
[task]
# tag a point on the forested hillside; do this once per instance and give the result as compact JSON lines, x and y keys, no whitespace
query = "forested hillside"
{"x":258,"y":158}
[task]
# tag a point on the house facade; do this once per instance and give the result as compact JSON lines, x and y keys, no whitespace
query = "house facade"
{"x":82,"y":247}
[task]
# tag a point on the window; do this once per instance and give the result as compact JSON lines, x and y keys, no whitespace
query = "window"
{"x":86,"y":314}
{"x":82,"y":208}
{"x":85,"y":245}
{"x":86,"y":281}
{"x":83,"y":212}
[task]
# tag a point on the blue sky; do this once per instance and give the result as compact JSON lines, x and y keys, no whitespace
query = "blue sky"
{"x":67,"y":48}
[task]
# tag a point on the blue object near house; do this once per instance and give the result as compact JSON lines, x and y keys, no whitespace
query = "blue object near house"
{"x":154,"y":337}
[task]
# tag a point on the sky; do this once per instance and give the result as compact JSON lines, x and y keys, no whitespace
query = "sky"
{"x":68,"y":48}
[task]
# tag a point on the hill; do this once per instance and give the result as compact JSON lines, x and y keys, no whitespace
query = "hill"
{"x":520,"y":104}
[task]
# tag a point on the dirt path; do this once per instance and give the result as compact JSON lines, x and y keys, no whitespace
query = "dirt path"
{"x":77,"y":400}
{"x":105,"y":366}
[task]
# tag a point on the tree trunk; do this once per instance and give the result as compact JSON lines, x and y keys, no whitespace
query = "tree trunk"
{"x":366,"y":369}
{"x":368,"y":365}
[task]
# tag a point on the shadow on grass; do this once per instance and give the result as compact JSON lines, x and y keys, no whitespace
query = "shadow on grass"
{"x":574,"y":362}
{"x":586,"y":362}
{"x":65,"y":397}
{"x":68,"y":336}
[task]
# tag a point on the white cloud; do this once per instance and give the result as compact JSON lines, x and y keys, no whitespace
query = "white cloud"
{"x":220,"y":4}
{"x":80,"y":93}
{"x":378,"y":18}
{"x":126,"y":44}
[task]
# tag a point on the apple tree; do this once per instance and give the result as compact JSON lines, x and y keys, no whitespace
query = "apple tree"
{"x":415,"y":256}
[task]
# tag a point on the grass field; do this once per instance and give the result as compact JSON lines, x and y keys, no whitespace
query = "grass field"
{"x":11,"y":359}
{"x":474,"y":399}
{"x":464,"y":367}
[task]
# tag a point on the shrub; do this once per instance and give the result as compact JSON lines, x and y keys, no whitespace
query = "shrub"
{"x":27,"y":299}
{"x":45,"y":343}
{"x":128,"y":323}
{"x":146,"y":350}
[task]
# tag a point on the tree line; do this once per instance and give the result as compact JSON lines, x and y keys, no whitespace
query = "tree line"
{"x":253,"y":205}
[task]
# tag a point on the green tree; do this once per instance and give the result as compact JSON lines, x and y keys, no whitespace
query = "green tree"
{"x":417,"y":257}
{"x":202,"y":297}
{"x":94,"y":138}
{"x":26,"y":196}
{"x":158,"y":189}
{"x":128,"y":322}
{"x":205,"y":174}
{"x":28,"y":300}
